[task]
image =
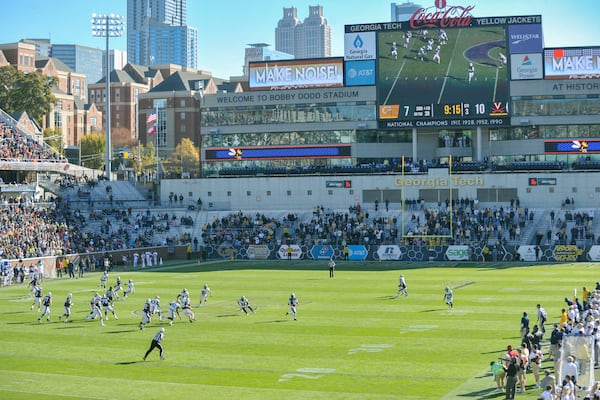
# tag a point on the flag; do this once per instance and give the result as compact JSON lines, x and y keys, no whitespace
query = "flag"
{"x":152,"y":117}
{"x":152,"y":130}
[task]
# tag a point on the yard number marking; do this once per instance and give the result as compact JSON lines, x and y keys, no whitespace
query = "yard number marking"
{"x":370,"y":348}
{"x":307,"y":373}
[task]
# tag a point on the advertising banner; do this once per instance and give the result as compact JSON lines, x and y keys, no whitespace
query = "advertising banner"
{"x":360,"y":73}
{"x":357,"y":252}
{"x":525,"y":39}
{"x":283,"y":254}
{"x":526,"y":66}
{"x":258,"y":252}
{"x":527,"y":253}
{"x":572,"y":63}
{"x":296,"y":74}
{"x":360,"y":46}
{"x":389,"y":253}
{"x":458,"y":253}
{"x":594,"y":253}
{"x":322,"y":252}
{"x":566,"y":253}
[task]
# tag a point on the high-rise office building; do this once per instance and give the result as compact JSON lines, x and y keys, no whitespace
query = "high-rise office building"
{"x":157,"y":33}
{"x":310,"y":38}
{"x":42,"y":46}
{"x":262,"y":52}
{"x":117,"y":60}
{"x":82,"y":59}
{"x":403,"y":12}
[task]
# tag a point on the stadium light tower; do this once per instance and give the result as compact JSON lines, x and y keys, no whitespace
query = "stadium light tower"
{"x":105,"y":25}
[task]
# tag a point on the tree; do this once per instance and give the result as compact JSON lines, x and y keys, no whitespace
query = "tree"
{"x":143,"y":158}
{"x":93,"y":150}
{"x":121,"y":137}
{"x":185,"y":158}
{"x":54,"y":138}
{"x":31,"y":92}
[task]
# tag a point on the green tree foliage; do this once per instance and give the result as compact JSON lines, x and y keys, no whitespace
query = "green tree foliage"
{"x":185,"y":158}
{"x":93,"y":150}
{"x":54,"y":138}
{"x":143,"y":158}
{"x":31,"y":92}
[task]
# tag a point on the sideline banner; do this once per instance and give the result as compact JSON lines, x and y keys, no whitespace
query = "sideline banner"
{"x":391,"y":252}
{"x":282,"y":253}
{"x":527,"y":253}
{"x":322,"y":252}
{"x":258,"y":252}
{"x":594,"y":253}
{"x":458,"y":253}
{"x":357,"y":252}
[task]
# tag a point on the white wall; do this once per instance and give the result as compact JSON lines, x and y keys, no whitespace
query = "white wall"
{"x":584,"y":187}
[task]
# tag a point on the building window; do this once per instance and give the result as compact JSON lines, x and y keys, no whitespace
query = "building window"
{"x":228,"y":194}
{"x":268,"y":192}
{"x":182,"y":116}
{"x":289,"y":192}
{"x":248,"y":193}
{"x":209,"y":194}
{"x":309,"y":192}
{"x":182,"y":103}
{"x":330,"y":192}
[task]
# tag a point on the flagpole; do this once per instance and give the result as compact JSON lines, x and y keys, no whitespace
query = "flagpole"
{"x":157,"y":127}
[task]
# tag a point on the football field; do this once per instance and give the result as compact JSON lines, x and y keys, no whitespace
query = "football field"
{"x":353,"y":339}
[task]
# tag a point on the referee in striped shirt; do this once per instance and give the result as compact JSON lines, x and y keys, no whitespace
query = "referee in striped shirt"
{"x":156,"y":343}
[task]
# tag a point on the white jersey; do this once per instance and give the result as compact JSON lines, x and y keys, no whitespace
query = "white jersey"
{"x":448,"y":295}
{"x":183,"y":296}
{"x":173,"y":306}
{"x":204,"y":293}
{"x":154,"y":305}
{"x":293,"y":301}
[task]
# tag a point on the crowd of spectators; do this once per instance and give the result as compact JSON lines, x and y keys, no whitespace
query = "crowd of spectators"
{"x":29,"y":229}
{"x":239,"y":229}
{"x":17,"y":146}
{"x":357,"y":226}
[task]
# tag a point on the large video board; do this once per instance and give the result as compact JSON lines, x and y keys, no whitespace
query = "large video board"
{"x":572,"y":63}
{"x":442,"y":68}
{"x":296,"y":74}
{"x":583,"y":146}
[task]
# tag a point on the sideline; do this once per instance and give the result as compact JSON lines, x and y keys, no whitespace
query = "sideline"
{"x":472,"y":388}
{"x":176,"y":265}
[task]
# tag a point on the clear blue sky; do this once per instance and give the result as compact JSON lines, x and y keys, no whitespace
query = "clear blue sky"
{"x":226,"y":26}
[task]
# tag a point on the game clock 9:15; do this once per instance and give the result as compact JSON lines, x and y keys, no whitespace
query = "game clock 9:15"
{"x":455,"y":109}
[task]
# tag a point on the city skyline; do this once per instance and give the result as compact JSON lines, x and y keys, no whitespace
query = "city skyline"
{"x":225,"y":28}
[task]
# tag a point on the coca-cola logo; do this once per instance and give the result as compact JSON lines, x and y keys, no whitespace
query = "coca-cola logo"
{"x":437,"y":17}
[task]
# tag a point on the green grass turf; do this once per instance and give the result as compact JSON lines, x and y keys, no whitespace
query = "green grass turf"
{"x":352,"y":339}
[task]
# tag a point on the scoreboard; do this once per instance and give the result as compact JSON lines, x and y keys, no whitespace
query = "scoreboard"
{"x":442,"y":68}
